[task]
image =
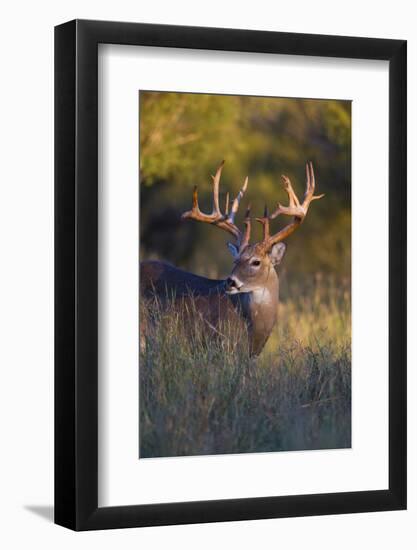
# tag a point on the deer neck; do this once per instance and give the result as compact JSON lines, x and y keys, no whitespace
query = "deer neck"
{"x":260,"y":308}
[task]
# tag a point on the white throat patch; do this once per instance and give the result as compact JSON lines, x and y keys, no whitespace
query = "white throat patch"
{"x":261,"y":296}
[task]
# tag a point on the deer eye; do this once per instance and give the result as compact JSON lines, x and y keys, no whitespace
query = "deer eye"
{"x":255,"y":263}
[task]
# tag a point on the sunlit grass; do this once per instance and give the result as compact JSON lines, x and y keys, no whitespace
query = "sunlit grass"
{"x":200,"y":393}
{"x":314,"y":314}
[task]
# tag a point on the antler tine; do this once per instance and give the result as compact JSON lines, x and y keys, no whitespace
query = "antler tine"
{"x":292,"y":197}
{"x":295,"y":209}
{"x":226,"y":208}
{"x":246,"y":237}
{"x":216,"y":184}
{"x":195,"y":199}
{"x":265,"y":224}
{"x":313,"y":184}
{"x":226,"y":221}
{"x":236,"y":202}
{"x":195,"y":212}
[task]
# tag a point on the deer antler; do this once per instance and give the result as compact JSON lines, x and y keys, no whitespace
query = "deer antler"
{"x":295,"y":209}
{"x":224,"y":221}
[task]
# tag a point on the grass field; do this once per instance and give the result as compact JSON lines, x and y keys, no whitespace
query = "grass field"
{"x":201,"y":396}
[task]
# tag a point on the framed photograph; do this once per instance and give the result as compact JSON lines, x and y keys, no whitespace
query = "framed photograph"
{"x":230,"y":245}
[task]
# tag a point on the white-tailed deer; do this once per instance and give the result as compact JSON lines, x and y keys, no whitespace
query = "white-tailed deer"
{"x":250,"y":292}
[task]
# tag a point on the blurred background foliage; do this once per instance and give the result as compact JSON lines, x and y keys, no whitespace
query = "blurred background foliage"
{"x":183,"y":138}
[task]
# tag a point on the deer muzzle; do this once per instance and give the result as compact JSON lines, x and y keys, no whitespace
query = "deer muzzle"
{"x":233,"y":285}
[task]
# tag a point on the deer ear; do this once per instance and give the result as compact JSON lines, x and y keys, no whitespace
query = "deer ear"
{"x":277,"y":253}
{"x":233,"y":249}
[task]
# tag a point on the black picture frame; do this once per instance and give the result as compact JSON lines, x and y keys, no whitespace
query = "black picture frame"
{"x":76,"y":272}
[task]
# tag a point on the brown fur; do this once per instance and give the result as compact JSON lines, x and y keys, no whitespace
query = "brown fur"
{"x":256,"y":303}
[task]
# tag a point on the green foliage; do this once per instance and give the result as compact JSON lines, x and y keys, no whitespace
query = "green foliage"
{"x":183,"y":137}
{"x":204,"y":395}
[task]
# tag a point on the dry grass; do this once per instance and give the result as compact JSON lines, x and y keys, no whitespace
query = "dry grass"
{"x":201,"y":395}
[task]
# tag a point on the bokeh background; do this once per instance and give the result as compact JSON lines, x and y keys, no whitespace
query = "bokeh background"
{"x":183,"y":137}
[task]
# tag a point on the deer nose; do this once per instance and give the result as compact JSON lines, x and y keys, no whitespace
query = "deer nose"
{"x":231,"y":283}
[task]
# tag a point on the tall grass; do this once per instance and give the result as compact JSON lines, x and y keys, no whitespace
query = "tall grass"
{"x":200,"y":392}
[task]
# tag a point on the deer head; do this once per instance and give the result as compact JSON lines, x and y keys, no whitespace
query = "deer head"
{"x":254,"y":263}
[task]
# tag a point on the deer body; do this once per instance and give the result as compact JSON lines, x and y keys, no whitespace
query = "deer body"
{"x":257,"y":309}
{"x":250,"y":293}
